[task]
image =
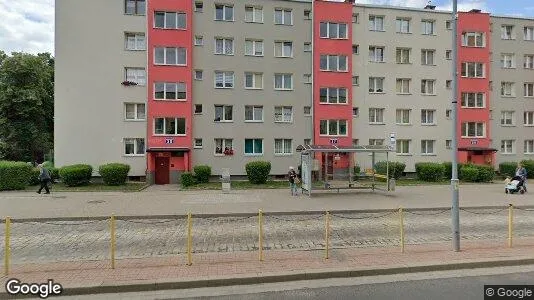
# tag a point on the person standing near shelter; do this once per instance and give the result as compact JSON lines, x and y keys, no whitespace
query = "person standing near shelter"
{"x":44,"y":178}
{"x":522,"y":172}
{"x":292,"y":175}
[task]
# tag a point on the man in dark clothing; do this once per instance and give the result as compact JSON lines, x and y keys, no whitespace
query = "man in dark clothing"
{"x":44,"y":178}
{"x":292,"y":176}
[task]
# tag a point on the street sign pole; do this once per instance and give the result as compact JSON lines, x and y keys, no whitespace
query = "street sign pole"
{"x":455,"y":210}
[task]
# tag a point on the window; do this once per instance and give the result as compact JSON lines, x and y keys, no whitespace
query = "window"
{"x":135,"y":41}
{"x":528,"y":89}
{"x":307,"y":78}
{"x":473,"y":129}
{"x":134,"y":146}
{"x":170,"y":91}
{"x":199,"y":7}
{"x":333,"y":95}
{"x":448,"y":84}
{"x":222,"y":145}
{"x":507,"y":89}
{"x":528,"y":33}
{"x":528,"y":118}
{"x":507,"y":118}
{"x":137,"y":75}
{"x":448,"y":25}
{"x":403,"y":86}
{"x":135,"y":111}
{"x":507,"y":147}
{"x":355,"y":112}
{"x":403,"y":25}
{"x":170,"y":56}
{"x":428,"y":27}
{"x":427,"y":117}
{"x":199,"y":75}
{"x":403,"y":147}
{"x":427,"y":57}
{"x":198,"y":144}
{"x":448,"y":54}
{"x":355,"y":49}
{"x":283,"y":147}
{"x":376,"y":23}
{"x":283,"y":114}
{"x":473,"y":100}
{"x":403,"y":55}
{"x":307,"y":141}
{"x":223,"y":113}
{"x":376,"y":115}
{"x":335,"y":63}
{"x":253,"y":14}
{"x":507,"y":61}
{"x":224,"y":46}
{"x":283,"y":81}
{"x":428,"y":87}
{"x":529,"y":62}
{"x":283,"y":49}
{"x":253,"y":113}
{"x":473,"y":39}
{"x":254,"y":47}
{"x":307,"y":110}
{"x":253,"y":146}
{"x":376,"y":84}
{"x":507,"y":32}
{"x":376,"y":54}
{"x":169,"y":126}
{"x":333,"y":127}
{"x":472,"y":70}
{"x":307,"y":14}
{"x":283,"y":16}
{"x":355,"y":80}
{"x":529,"y":147}
{"x":376,"y":142}
{"x":427,"y":147}
{"x":170,"y":20}
{"x":135,"y":7}
{"x":224,"y":79}
{"x":253,"y":80}
{"x":307,"y":47}
{"x":329,"y":30}
{"x":448,"y":114}
{"x":199,"y":40}
{"x":448,"y":144}
{"x":355,"y":142}
{"x":355,"y":18}
{"x":224,"y":12}
{"x":198,"y":109}
{"x":403,"y":117}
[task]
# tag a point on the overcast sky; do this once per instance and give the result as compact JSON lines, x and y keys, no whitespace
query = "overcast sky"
{"x":28,"y":25}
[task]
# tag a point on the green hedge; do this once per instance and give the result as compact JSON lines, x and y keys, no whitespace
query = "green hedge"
{"x":485,"y":173}
{"x":202,"y":173}
{"x":428,"y":171}
{"x":114,"y":173}
{"x":14,"y":175}
{"x":469,"y":174}
{"x":34,"y":176}
{"x":529,"y":165}
{"x":76,"y":175}
{"x":396,"y":169}
{"x":357,"y":170}
{"x":187,"y":179}
{"x":507,"y":168}
{"x":447,"y":173}
{"x":258,"y":171}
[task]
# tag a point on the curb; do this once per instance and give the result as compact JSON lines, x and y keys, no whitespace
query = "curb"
{"x":277,"y":278}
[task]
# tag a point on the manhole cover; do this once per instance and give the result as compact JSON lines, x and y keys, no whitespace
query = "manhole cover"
{"x":96,"y":201}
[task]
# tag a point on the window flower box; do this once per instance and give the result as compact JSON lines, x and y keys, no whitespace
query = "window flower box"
{"x":228,"y":151}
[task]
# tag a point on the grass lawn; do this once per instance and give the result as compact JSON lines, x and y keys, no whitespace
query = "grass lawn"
{"x":93,"y":187}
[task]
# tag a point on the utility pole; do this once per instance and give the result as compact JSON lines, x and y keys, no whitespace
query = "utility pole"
{"x":455,"y":211}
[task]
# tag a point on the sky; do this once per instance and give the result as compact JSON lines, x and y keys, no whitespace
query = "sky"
{"x":28,"y":25}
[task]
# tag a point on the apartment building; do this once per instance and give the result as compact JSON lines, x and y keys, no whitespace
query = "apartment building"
{"x":165,"y":85}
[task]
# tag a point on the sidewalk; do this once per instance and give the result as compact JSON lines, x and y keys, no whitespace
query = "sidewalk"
{"x":210,"y":269}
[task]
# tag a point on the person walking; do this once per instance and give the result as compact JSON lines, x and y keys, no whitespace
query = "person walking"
{"x":292,"y":175}
{"x":522,"y":172}
{"x":44,"y":178}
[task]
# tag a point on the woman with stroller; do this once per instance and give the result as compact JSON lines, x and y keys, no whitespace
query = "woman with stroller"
{"x":520,"y":171}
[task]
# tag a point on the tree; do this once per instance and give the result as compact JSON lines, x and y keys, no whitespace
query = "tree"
{"x":26,"y":106}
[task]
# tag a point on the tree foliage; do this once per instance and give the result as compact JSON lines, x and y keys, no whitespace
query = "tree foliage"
{"x":26,"y":106}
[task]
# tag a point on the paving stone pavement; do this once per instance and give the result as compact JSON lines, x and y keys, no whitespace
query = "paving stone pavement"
{"x":141,"y":238}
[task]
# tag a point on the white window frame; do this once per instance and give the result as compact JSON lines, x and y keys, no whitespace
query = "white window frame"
{"x":507,"y":89}
{"x":167,"y":14}
{"x":197,"y":73}
{"x":465,"y":130}
{"x":307,"y":78}
{"x":448,"y":54}
{"x":338,"y":67}
{"x":197,"y":145}
{"x":136,"y":111}
{"x":199,"y":6}
{"x":374,"y":82}
{"x":467,"y":66}
{"x":335,"y":92}
{"x":286,"y":147}
{"x":467,"y":37}
{"x":280,"y":49}
{"x":283,"y":114}
{"x":505,"y":35}
{"x":179,"y":50}
{"x":228,"y":80}
{"x":225,"y":8}
{"x":404,"y":146}
{"x":471,"y":100}
{"x":448,"y":144}
{"x":402,"y":55}
{"x":528,"y":118}
{"x":254,"y":108}
{"x":283,"y":12}
{"x":137,"y":75}
{"x":177,"y":91}
{"x":284,"y":87}
{"x":377,"y":54}
{"x":428,"y":87}
{"x":139,"y":9}
{"x":400,"y":116}
{"x":137,"y":146}
{"x":374,"y":25}
{"x":257,"y":83}
{"x":355,"y":80}
{"x":225,"y":109}
{"x":330,"y":30}
{"x":403,"y":25}
{"x":165,"y":127}
{"x":528,"y":33}
{"x":528,"y":89}
{"x":256,"y":45}
{"x":507,"y":147}
{"x":308,"y":47}
{"x":255,"y":10}
{"x":428,"y":27}
{"x":225,"y":143}
{"x":138,"y":42}
{"x":507,"y":118}
{"x":402,"y":86}
{"x":199,"y":40}
{"x":338,"y":127}
{"x":307,"y":111}
{"x":507,"y":60}
{"x":376,"y":142}
{"x":425,"y":145}
{"x":528,"y":147}
{"x":225,"y":41}
{"x":428,"y":57}
{"x":428,"y":117}
{"x":376,"y":115}
{"x":254,"y":153}
{"x":529,"y":61}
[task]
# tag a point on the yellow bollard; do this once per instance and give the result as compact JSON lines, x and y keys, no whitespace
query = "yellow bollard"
{"x":7,"y":249}
{"x":260,"y":239}
{"x":189,"y":240}
{"x":327,"y":233}
{"x":113,"y":241}
{"x":510,"y":224}
{"x":401,"y":224}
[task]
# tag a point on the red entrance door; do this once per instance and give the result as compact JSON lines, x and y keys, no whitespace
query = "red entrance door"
{"x":162,"y":170}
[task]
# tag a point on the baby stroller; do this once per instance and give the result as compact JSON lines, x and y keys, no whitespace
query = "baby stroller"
{"x":517,"y":184}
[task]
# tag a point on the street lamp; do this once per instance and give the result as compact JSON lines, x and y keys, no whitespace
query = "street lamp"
{"x":455,"y":210}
